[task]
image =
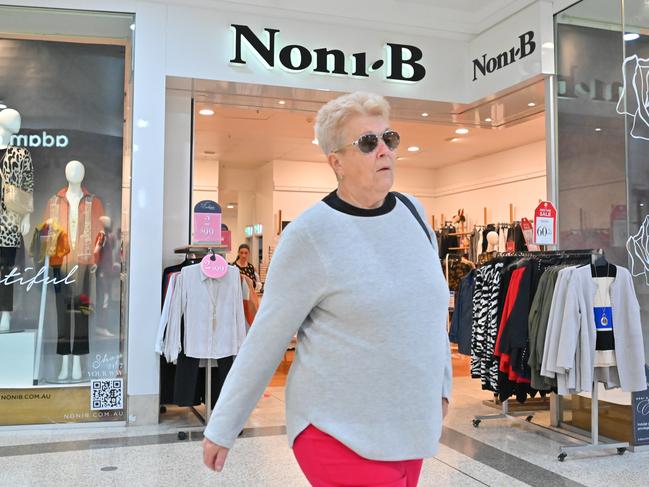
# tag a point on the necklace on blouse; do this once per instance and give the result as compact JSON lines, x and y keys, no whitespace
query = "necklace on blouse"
{"x":602,"y":296}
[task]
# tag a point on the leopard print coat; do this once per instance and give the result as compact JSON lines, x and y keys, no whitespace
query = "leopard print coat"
{"x":17,"y":169}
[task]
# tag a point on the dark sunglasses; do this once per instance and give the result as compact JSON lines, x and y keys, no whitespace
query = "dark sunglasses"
{"x":368,"y":142}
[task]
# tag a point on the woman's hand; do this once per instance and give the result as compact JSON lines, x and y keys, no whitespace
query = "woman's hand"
{"x":444,"y":407}
{"x":214,"y":455}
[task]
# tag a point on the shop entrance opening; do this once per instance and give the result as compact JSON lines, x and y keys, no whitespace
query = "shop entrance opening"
{"x":254,"y":153}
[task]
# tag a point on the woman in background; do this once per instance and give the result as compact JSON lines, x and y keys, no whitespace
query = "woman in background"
{"x":245,"y":267}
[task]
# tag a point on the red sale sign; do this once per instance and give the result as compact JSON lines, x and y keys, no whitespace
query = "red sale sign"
{"x":545,"y":224}
{"x":528,"y":234}
{"x":226,"y":240}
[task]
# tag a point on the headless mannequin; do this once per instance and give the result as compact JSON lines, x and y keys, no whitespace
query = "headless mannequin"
{"x":10,"y":122}
{"x":74,"y":173}
{"x":492,"y":241}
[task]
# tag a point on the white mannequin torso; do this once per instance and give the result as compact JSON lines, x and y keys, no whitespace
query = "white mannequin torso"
{"x":492,"y":240}
{"x":74,"y":173}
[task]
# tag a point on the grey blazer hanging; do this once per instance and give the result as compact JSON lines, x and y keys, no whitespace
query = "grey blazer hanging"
{"x":578,"y":332}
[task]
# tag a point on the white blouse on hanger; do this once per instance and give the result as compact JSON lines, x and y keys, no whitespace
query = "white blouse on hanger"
{"x":215,"y":325}
{"x":164,"y":318}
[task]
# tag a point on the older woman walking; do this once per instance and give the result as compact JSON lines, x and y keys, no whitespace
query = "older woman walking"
{"x":368,"y":390}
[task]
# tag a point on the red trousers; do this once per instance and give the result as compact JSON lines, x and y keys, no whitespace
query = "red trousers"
{"x":328,"y":463}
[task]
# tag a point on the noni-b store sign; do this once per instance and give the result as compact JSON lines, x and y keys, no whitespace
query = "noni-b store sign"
{"x":400,"y":62}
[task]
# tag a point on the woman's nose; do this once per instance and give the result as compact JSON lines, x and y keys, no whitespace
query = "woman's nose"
{"x":382,"y":149}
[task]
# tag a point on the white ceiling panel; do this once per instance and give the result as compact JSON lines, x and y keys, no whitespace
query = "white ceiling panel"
{"x":245,"y":138}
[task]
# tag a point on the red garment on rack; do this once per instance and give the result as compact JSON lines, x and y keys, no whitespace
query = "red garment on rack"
{"x":510,"y":299}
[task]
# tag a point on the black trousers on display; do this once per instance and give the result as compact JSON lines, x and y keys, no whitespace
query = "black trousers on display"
{"x":7,"y":262}
{"x":73,"y":307}
{"x":183,"y":383}
{"x":189,"y":377}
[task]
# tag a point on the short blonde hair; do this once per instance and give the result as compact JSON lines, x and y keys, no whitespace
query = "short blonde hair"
{"x":333,"y":116}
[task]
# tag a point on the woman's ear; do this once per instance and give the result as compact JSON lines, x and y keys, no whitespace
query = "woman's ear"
{"x":336,"y":165}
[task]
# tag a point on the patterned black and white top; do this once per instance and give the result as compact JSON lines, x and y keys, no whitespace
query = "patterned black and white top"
{"x":249,"y":271}
{"x":484,"y":365}
{"x":18,"y":170}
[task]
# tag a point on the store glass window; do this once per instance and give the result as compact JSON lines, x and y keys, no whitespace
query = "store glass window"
{"x":65,"y":166}
{"x":603,"y":176}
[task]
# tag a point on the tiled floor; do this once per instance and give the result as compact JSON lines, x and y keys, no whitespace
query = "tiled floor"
{"x":499,"y":453}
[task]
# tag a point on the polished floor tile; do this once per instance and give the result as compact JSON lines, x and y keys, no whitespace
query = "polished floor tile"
{"x":499,"y":453}
{"x":263,"y":461}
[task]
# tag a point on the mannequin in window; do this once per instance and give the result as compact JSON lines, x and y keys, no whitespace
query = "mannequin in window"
{"x":17,"y":173}
{"x":77,"y":212}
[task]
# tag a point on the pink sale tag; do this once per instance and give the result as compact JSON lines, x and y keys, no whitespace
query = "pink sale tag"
{"x":214,"y":266}
{"x":207,"y":227}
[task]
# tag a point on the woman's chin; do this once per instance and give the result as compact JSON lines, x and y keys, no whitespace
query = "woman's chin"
{"x":385,"y":180}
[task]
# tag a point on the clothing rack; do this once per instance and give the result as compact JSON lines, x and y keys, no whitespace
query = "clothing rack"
{"x":594,"y":444}
{"x":202,"y":250}
{"x":504,"y":414}
{"x":550,"y":253}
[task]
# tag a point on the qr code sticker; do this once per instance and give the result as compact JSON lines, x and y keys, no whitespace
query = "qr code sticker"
{"x":106,"y":394}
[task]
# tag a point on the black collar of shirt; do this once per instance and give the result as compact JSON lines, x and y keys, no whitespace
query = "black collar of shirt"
{"x":336,"y":203}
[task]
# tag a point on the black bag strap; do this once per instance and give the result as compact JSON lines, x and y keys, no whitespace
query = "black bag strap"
{"x":406,"y":201}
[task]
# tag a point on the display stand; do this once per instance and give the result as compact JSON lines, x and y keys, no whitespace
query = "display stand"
{"x":41,"y":323}
{"x":529,"y":416}
{"x":505,"y":414}
{"x":594,"y":444}
{"x":202,"y":250}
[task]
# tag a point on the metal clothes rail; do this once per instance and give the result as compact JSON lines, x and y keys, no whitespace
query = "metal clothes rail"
{"x":594,"y":445}
{"x":202,"y":250}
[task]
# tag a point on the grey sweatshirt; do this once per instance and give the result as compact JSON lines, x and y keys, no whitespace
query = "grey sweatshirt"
{"x":364,"y":291}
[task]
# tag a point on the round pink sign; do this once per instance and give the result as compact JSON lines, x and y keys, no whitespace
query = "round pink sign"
{"x":216,"y":268}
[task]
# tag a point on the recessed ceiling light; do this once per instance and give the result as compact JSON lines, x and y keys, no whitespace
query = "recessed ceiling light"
{"x":230,"y":205}
{"x":413,"y":148}
{"x":598,"y":129}
{"x":424,"y":114}
{"x":314,"y":141}
{"x":531,"y":104}
{"x":462,"y":131}
{"x":631,"y":36}
{"x":454,"y":139}
{"x":207,"y":112}
{"x":400,"y":158}
{"x":487,"y":119}
{"x":281,"y":102}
